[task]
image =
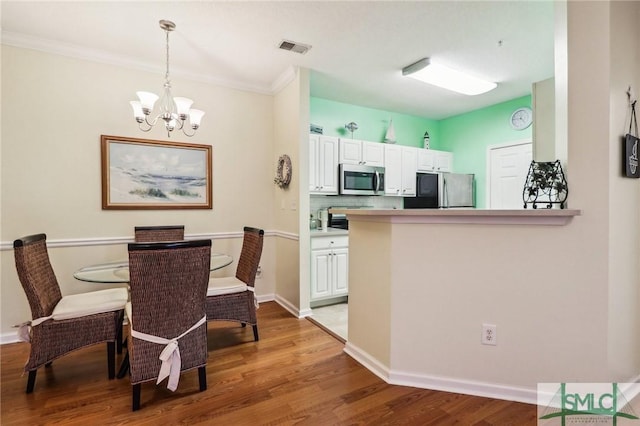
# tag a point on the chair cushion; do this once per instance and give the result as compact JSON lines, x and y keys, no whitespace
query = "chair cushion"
{"x":225,"y":285}
{"x":94,"y":302}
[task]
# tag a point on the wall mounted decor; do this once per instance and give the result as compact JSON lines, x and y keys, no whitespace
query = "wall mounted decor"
{"x":545,"y":185}
{"x":283,"y":171}
{"x":630,"y":148}
{"x":352,"y":127}
{"x":149,"y":174}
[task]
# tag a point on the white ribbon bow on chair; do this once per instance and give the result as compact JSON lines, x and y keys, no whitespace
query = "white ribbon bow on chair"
{"x":170,"y":355}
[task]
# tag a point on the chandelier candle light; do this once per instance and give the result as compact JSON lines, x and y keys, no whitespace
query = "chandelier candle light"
{"x":173,"y":111}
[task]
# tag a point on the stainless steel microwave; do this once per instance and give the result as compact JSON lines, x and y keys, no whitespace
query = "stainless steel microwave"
{"x":361,"y":180}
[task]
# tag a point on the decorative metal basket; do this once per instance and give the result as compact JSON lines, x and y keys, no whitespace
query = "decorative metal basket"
{"x":545,"y":185}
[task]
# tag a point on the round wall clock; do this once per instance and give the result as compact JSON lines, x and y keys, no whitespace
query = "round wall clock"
{"x":283,"y":172}
{"x":521,"y":118}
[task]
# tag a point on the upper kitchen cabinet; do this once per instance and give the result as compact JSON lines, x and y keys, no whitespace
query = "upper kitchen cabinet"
{"x":353,"y":151}
{"x":323,"y":165}
{"x":444,"y":161}
{"x":400,"y":164}
{"x":430,"y":160}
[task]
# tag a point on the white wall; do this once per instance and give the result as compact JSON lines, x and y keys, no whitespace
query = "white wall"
{"x":288,"y":113}
{"x":54,"y":110}
{"x":624,"y":195}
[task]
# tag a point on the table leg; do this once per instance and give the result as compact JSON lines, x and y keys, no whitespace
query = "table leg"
{"x":124,"y":367}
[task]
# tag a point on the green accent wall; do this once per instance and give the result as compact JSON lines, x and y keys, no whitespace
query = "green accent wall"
{"x":469,"y":135}
{"x":372,"y":123}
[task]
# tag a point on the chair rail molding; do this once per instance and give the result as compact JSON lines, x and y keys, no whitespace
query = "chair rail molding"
{"x":103,"y":241}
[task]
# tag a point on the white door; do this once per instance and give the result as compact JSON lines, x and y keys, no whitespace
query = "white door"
{"x":321,"y":274}
{"x":350,"y":151}
{"x":328,"y":165}
{"x":508,"y":170}
{"x":392,"y":169}
{"x":426,"y":160}
{"x":340,"y":259}
{"x":373,"y":154}
{"x":409,"y":167}
{"x":314,"y":184}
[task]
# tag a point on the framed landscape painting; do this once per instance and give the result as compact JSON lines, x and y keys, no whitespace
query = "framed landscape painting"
{"x":149,"y":174}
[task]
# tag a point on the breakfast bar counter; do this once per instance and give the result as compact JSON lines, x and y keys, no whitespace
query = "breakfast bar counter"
{"x":481,"y":216}
{"x":423,"y":282}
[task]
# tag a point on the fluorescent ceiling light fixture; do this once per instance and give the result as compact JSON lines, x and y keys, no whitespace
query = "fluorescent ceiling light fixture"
{"x":447,"y":78}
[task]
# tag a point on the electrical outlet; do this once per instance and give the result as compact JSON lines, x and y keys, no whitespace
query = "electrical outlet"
{"x":259,"y":272}
{"x":489,"y":334}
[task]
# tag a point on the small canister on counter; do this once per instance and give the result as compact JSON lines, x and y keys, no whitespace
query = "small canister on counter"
{"x":323,"y":214}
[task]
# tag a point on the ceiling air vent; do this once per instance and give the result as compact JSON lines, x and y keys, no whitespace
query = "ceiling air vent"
{"x":294,"y":47}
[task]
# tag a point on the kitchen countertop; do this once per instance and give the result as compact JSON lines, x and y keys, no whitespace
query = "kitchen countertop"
{"x":469,"y":216}
{"x":329,"y":231}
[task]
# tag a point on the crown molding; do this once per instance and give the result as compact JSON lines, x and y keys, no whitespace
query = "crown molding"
{"x":284,"y":79}
{"x":78,"y":52}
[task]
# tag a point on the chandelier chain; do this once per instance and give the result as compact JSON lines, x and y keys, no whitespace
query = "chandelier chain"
{"x":166,"y":76}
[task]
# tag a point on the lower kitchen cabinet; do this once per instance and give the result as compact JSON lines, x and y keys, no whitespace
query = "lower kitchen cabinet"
{"x":329,"y":267}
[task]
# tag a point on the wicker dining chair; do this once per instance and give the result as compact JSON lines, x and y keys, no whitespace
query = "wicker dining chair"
{"x":62,"y":324}
{"x":233,"y":298}
{"x":146,"y":234}
{"x":168,"y":282}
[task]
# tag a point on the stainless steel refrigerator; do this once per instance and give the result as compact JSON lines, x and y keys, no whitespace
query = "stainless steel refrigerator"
{"x":458,"y":190}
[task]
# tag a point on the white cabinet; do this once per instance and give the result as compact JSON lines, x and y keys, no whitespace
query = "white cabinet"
{"x":430,"y":160}
{"x":353,"y":151}
{"x":400,"y":164}
{"x":329,"y":266}
{"x":323,"y":165}
{"x":426,"y":160}
{"x":373,"y":154}
{"x":444,"y":161}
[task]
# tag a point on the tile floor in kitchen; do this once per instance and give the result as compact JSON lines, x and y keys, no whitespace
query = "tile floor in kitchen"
{"x":333,"y":317}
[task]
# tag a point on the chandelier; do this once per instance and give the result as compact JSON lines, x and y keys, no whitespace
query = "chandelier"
{"x":174,"y":112}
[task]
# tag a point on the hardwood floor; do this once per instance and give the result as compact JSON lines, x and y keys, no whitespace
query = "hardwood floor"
{"x":295,"y":374}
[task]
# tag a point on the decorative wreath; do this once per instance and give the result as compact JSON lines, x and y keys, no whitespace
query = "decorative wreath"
{"x":283,"y":173}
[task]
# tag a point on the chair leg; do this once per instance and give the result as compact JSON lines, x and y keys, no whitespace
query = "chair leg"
{"x":31,"y":380}
{"x":111,"y":359}
{"x":119,"y":331}
{"x":202,"y":376}
{"x":135,"y":403}
{"x":255,"y":333}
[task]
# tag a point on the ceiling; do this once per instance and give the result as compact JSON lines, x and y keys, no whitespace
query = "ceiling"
{"x":358,"y":48}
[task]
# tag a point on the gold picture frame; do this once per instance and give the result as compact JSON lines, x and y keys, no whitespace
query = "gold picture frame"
{"x":144,"y":174}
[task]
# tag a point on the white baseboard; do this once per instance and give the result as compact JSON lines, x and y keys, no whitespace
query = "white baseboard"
{"x":291,"y":308}
{"x":10,"y":337}
{"x":445,"y":384}
{"x":266,"y":297}
{"x":369,"y":362}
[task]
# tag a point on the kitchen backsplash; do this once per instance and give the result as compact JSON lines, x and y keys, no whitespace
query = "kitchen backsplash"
{"x":317,"y":202}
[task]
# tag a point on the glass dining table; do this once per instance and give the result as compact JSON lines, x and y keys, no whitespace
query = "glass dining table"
{"x":118,"y":272}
